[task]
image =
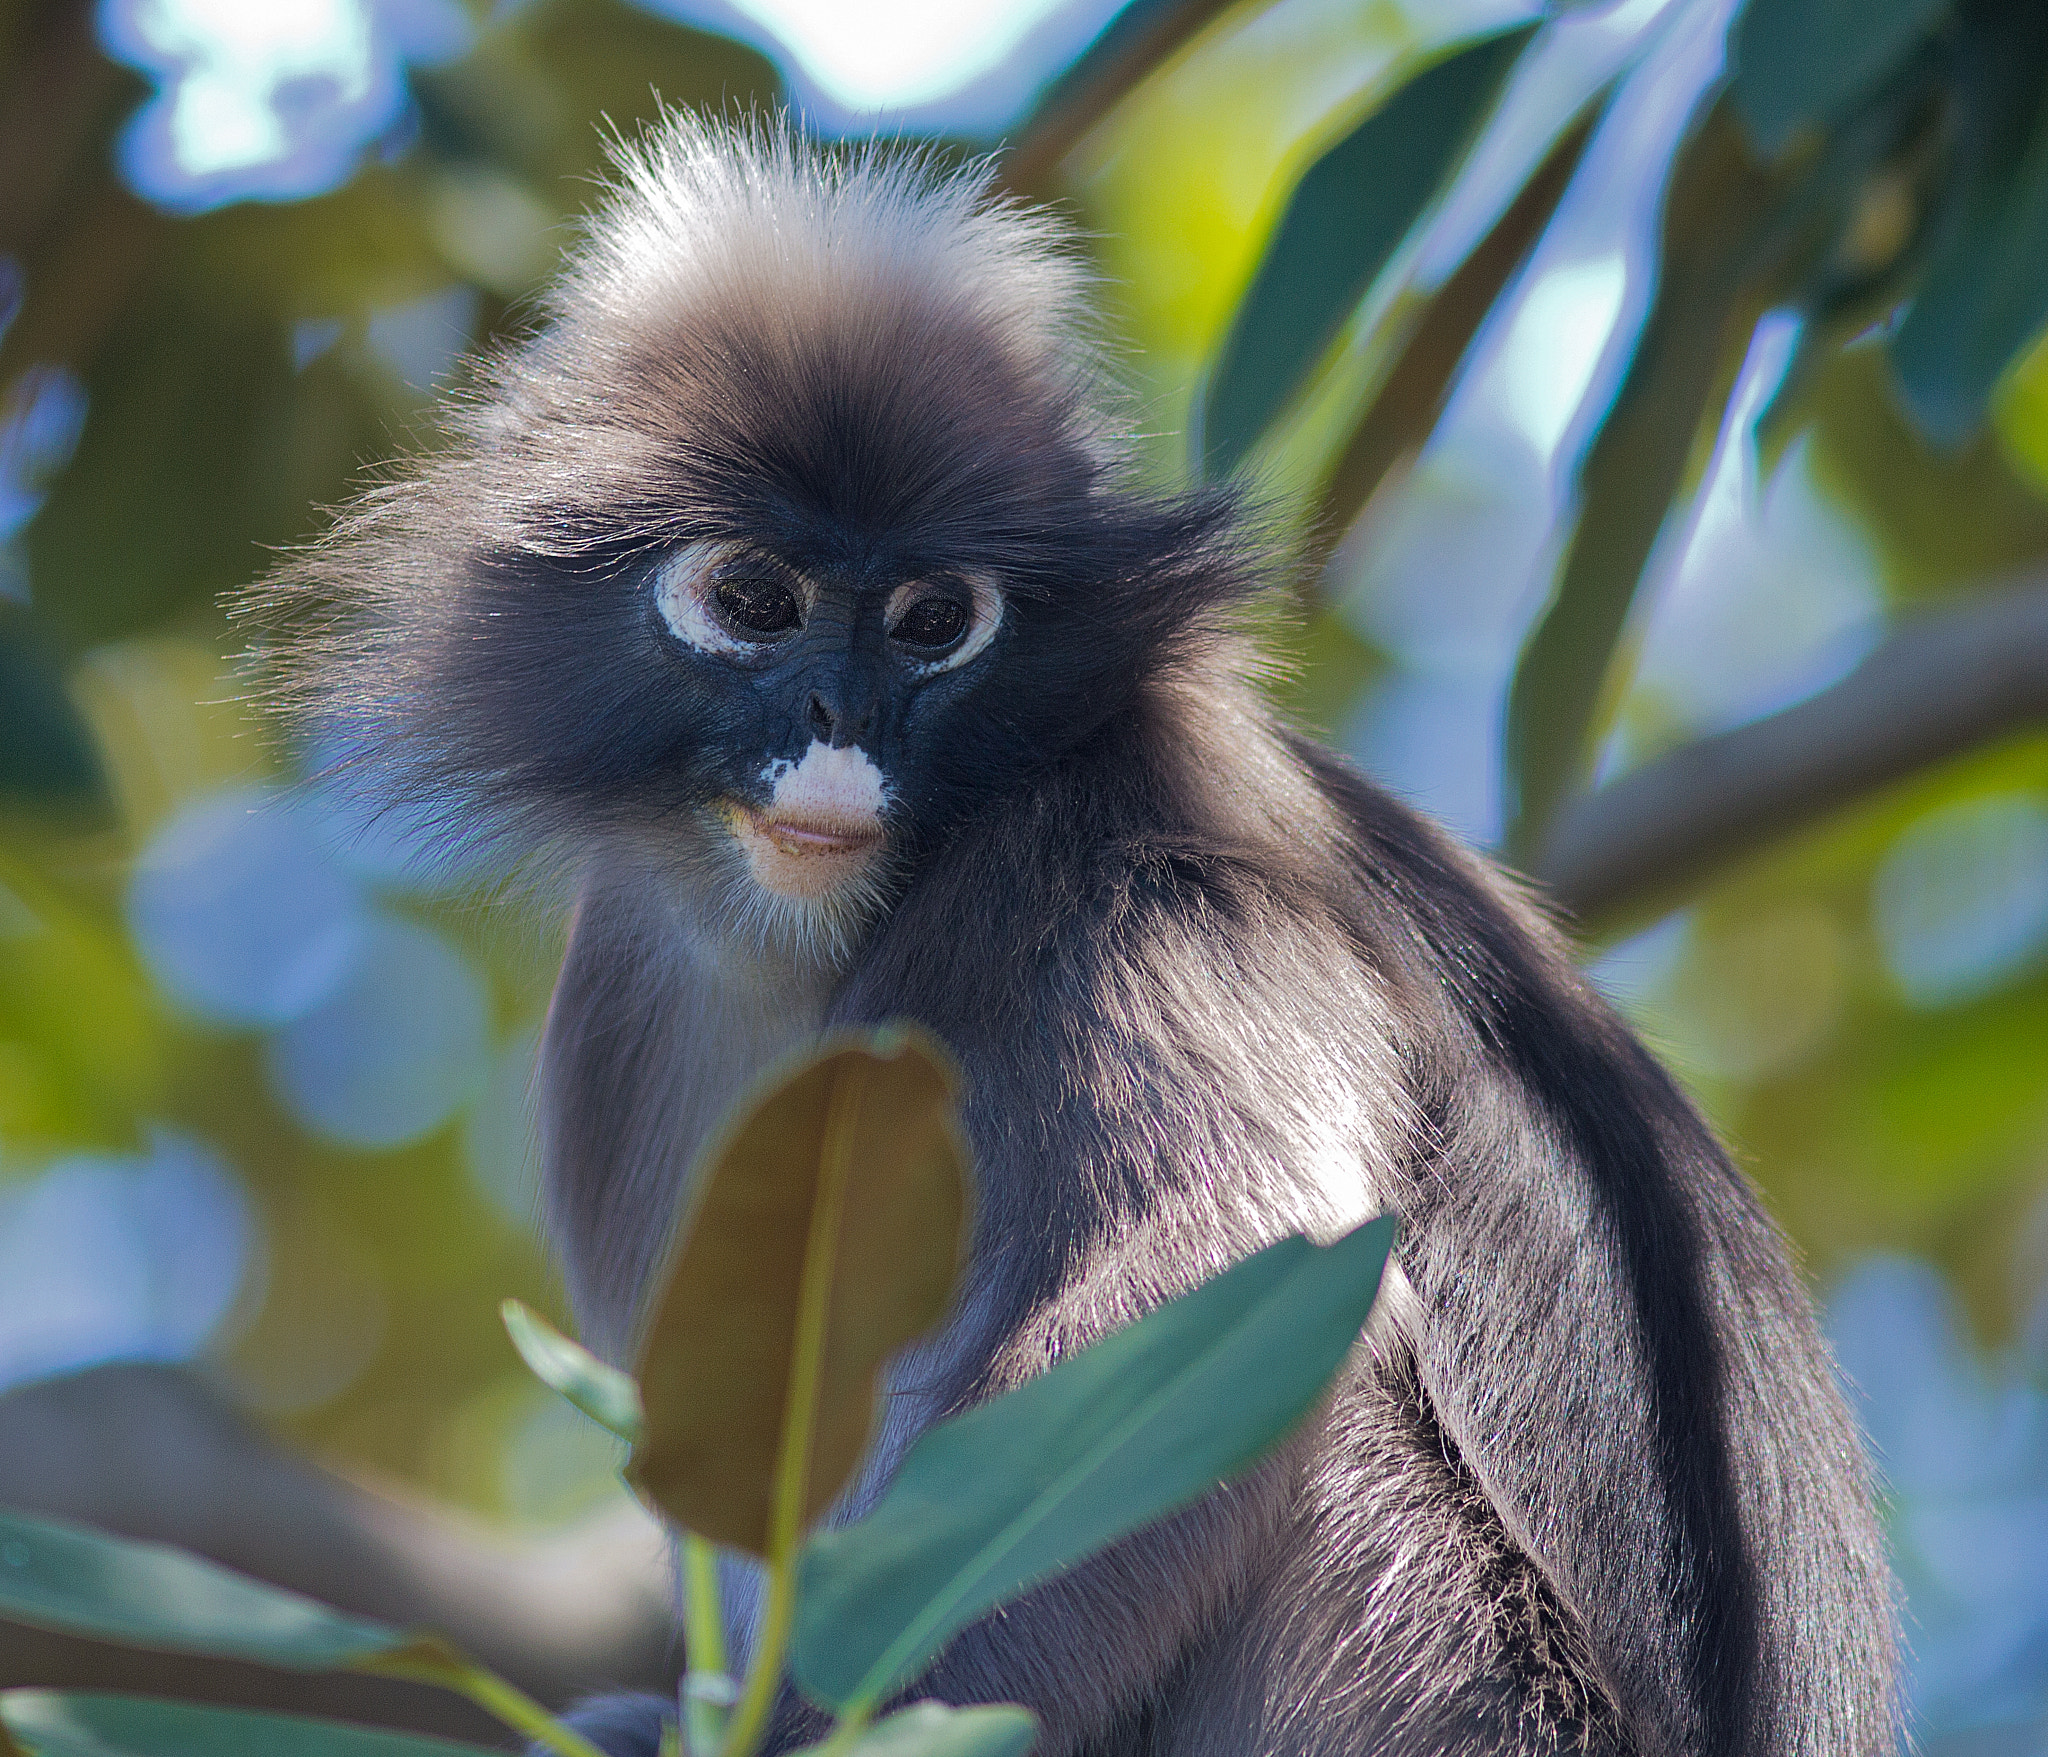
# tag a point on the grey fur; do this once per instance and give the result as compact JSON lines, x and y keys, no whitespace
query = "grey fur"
{"x":1588,"y":1484}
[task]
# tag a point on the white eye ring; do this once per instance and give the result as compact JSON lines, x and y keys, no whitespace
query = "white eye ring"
{"x":684,"y":585}
{"x":984,"y":617}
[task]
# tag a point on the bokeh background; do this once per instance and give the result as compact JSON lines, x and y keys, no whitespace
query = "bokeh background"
{"x":264,"y":1054}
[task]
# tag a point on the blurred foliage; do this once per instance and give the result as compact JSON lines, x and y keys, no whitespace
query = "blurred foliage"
{"x":1875,"y":1121}
{"x":1875,"y":173}
{"x":240,"y":370}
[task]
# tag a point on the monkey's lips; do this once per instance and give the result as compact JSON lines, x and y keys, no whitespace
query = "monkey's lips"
{"x":805,"y":854}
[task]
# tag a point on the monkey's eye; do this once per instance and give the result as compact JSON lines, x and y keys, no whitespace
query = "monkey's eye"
{"x":758,"y":608}
{"x":932,"y":622}
{"x":939,"y":625}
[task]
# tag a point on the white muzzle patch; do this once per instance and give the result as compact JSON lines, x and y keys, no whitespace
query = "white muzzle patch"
{"x":822,"y":828}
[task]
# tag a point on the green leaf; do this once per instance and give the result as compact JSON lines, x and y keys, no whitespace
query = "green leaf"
{"x":1404,"y":411}
{"x":202,"y":447}
{"x":993,"y":1501}
{"x":47,"y":752}
{"x":1725,"y":244}
{"x":1140,"y":36}
{"x":608,"y":1396}
{"x":82,"y":1582}
{"x":1804,"y":63}
{"x":1343,"y":223}
{"x":50,"y":1723}
{"x":528,"y":94}
{"x":827,"y":1229}
{"x":1984,"y":299}
{"x":931,"y":1729}
{"x":427,"y":1659}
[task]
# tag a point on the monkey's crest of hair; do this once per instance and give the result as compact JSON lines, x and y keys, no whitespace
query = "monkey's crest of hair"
{"x":700,"y":217}
{"x":759,"y":341}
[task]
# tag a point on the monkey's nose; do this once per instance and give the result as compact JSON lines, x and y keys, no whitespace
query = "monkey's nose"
{"x":838,"y":723}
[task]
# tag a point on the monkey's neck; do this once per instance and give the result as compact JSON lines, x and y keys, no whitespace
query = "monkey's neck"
{"x":664,"y":1016}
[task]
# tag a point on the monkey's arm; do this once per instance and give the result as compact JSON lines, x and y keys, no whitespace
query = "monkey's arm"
{"x":1090,"y":1648}
{"x":1126,"y":1151}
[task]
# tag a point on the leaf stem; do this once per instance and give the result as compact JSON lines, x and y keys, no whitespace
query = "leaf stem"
{"x":845,"y":1733}
{"x":750,"y":1718}
{"x":432,"y":1662}
{"x":519,"y":1710}
{"x":707,"y":1689}
{"x":703,"y":1608}
{"x":793,"y":1461}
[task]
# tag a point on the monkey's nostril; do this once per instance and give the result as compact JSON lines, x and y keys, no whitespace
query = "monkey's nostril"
{"x":821,"y":717}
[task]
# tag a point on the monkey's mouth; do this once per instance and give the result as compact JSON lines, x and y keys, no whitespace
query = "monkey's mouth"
{"x":804,"y":837}
{"x":805,"y":854}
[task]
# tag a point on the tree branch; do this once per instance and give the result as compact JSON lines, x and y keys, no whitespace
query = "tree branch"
{"x":55,"y":104}
{"x":152,"y":1452}
{"x":1945,"y":682}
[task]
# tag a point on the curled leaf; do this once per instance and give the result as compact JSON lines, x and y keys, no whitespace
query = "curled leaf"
{"x":608,"y":1396}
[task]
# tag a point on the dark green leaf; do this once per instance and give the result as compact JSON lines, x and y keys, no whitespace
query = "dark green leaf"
{"x":1141,"y":35}
{"x":1344,"y":221}
{"x":608,"y":1396}
{"x":89,"y":1724}
{"x":541,"y":91}
{"x":202,"y":448}
{"x":931,"y":1729}
{"x":46,"y":752}
{"x":1404,"y":411}
{"x":1984,"y":299}
{"x":1112,"y":1438}
{"x":1804,"y":63}
{"x":1723,"y":241}
{"x":83,"y":1582}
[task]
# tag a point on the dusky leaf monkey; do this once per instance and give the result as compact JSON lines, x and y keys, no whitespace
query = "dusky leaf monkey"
{"x":793,"y":584}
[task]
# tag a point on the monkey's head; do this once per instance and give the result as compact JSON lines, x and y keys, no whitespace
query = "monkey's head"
{"x":795,"y":531}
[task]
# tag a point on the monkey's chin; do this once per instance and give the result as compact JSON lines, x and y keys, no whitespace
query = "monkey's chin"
{"x":808,"y":857}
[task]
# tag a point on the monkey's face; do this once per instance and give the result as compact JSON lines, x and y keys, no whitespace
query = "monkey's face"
{"x":830,"y":684}
{"x":796,"y":539}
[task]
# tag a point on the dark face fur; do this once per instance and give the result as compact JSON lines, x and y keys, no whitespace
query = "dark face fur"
{"x":781,"y":547}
